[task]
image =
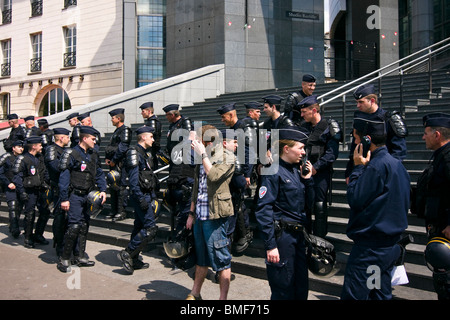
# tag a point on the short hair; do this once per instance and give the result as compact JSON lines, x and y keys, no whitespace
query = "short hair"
{"x":140,"y":136}
{"x":121,"y":117}
{"x":377,"y":140}
{"x":283,"y":142}
{"x":372,"y":96}
{"x":445,"y":132}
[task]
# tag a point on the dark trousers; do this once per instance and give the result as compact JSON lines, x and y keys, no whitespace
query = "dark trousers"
{"x":143,"y":220}
{"x":288,"y":279}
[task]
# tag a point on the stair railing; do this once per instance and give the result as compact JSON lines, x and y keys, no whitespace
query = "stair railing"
{"x":426,"y":55}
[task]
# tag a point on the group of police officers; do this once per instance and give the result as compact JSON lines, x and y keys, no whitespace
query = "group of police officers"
{"x":59,"y":173}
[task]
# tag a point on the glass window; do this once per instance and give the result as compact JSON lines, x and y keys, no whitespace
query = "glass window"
{"x":54,"y":101}
{"x":6,"y":58}
{"x":70,"y":38}
{"x":151,"y":7}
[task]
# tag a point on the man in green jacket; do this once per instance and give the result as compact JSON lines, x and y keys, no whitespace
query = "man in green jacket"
{"x":210,"y":207}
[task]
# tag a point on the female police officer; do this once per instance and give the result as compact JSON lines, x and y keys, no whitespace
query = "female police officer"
{"x":283,"y":199}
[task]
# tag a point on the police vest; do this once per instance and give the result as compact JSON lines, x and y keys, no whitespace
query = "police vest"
{"x":52,"y":153}
{"x":315,"y":146}
{"x":33,"y":173}
{"x":8,"y":158}
{"x":147,"y":179}
{"x":82,"y":174}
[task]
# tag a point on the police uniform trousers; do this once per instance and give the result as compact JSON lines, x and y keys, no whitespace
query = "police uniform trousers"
{"x":321,"y":184}
{"x":368,"y":272}
{"x":59,"y":225}
{"x":35,"y":200}
{"x":143,"y":221}
{"x":14,"y":208}
{"x":180,"y":199}
{"x":119,"y":196}
{"x":288,"y":279}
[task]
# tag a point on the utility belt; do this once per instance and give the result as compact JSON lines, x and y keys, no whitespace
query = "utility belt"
{"x":291,"y":226}
{"x":79,"y":192}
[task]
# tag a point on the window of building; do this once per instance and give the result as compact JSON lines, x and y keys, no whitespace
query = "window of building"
{"x":36,"y":8}
{"x":151,"y":41}
{"x":5,"y":101}
{"x":36,"y":54}
{"x":441,"y":9}
{"x":68,"y":3}
{"x":6,"y":58}
{"x":54,"y":101}
{"x":7,"y":11}
{"x":70,"y":42}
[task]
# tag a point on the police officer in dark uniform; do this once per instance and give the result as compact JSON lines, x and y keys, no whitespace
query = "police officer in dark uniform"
{"x":181,"y":176}
{"x":432,"y":201}
{"x":322,"y":149}
{"x":142,"y":183}
{"x":75,"y":124}
{"x":17,"y":132}
{"x":367,"y":101}
{"x":114,"y":158}
{"x":241,"y":177}
{"x":52,"y":160}
{"x":31,"y":181}
{"x":379,"y":195}
{"x":30,"y":129}
{"x":294,"y":98}
{"x":6,"y":179}
{"x":85,"y":120}
{"x":80,"y":174}
{"x":284,"y":198}
{"x":46,"y":133}
{"x":151,"y":120}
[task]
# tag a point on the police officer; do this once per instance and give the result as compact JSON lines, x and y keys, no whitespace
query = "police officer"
{"x":46,"y":133}
{"x":114,"y":158}
{"x":30,"y":128}
{"x":322,"y":150}
{"x":31,"y":181}
{"x":17,"y":132}
{"x":85,"y":120}
{"x":75,"y":124}
{"x":367,"y":101}
{"x":80,"y":174}
{"x":52,"y":160}
{"x":378,"y":194}
{"x":142,"y":184}
{"x":181,"y":176}
{"x":151,"y":120}
{"x":284,"y":198}
{"x":6,"y":179}
{"x":241,"y":177}
{"x":431,"y":200}
{"x":293,"y":99}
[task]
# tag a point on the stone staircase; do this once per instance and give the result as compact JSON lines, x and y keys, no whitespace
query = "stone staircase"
{"x":417,"y":101}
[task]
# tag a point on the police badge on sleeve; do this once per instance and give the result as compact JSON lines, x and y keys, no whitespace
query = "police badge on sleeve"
{"x":262,"y":192}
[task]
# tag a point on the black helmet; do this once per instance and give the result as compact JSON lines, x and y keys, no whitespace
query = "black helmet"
{"x":113,"y":178}
{"x":321,"y":255}
{"x":181,"y":249}
{"x":94,"y":202}
{"x":437,"y":255}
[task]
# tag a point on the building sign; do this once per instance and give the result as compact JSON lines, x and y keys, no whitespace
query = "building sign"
{"x":302,"y":15}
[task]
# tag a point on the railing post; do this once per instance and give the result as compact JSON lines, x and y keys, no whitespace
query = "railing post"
{"x":379,"y":89}
{"x":344,"y":122}
{"x":402,"y":109}
{"x":430,"y":80}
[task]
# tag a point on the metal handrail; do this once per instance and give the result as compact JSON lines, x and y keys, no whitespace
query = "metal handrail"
{"x":401,"y":67}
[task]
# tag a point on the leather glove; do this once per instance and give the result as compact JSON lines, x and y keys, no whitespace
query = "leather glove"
{"x":143,"y":204}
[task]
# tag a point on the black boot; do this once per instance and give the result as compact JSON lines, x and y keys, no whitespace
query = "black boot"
{"x":28,"y":229}
{"x":44,"y":215}
{"x":69,"y":241}
{"x":120,"y":205}
{"x":13,"y":221}
{"x":125,"y":257}
{"x":320,"y":228}
{"x":83,"y":260}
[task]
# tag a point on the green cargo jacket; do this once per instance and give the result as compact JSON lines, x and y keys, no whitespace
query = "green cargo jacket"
{"x":217,"y":183}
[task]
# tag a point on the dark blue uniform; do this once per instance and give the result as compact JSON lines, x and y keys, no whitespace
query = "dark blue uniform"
{"x":378,"y":195}
{"x":281,"y":214}
{"x":138,"y":164}
{"x":14,"y":205}
{"x":80,"y":174}
{"x":31,"y":180}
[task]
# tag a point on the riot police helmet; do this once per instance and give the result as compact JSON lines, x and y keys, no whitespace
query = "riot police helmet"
{"x":437,"y":255}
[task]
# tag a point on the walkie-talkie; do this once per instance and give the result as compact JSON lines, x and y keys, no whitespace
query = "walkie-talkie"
{"x":305,"y":170}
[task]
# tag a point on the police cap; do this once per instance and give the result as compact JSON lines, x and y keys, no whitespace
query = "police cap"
{"x":72,"y":115}
{"x":272,"y":99}
{"x":146,"y":105}
{"x":226,"y":108}
{"x":63,"y":131}
{"x":84,"y":116}
{"x":144,"y":129}
{"x":307,"y":102}
{"x":115,"y":112}
{"x":33,"y":140}
{"x":308,"y":78}
{"x":12,"y":116}
{"x":88,"y":130}
{"x":253,"y":105}
{"x":364,"y":91}
{"x":42,"y":122}
{"x":171,"y":107}
{"x":17,"y":143}
{"x":369,"y":123}
{"x":438,"y":119}
{"x":293,"y":133}
{"x":28,"y":118}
